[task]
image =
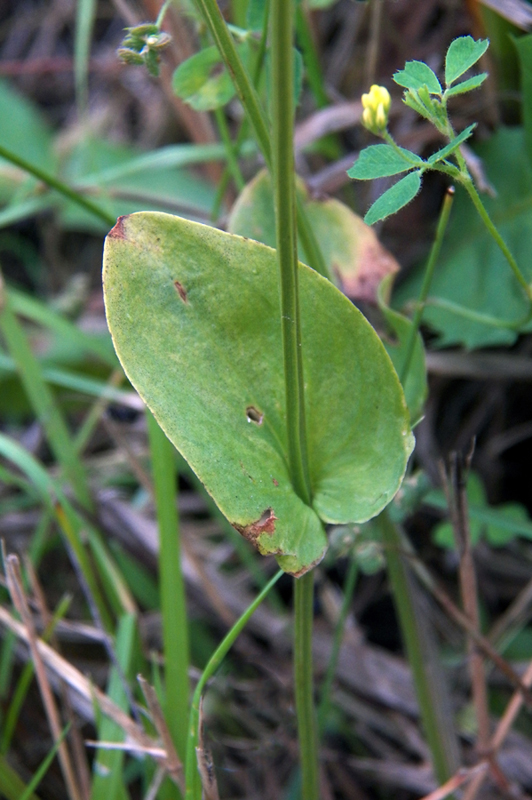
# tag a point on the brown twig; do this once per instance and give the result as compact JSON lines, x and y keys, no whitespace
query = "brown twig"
{"x":455,"y":488}
{"x":80,"y":684}
{"x":74,"y":735}
{"x":173,"y":764}
{"x":458,"y":616}
{"x":454,"y":783}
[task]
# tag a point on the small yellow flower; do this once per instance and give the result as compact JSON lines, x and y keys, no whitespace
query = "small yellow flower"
{"x":376,"y":104}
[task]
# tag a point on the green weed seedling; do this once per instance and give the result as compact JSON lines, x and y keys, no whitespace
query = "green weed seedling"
{"x":425,"y":94}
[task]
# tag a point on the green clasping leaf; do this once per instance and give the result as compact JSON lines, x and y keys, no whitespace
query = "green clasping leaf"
{"x":194,"y":315}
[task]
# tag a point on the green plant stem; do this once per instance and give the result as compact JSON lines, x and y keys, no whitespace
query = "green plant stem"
{"x":164,"y":8}
{"x":478,"y":316}
{"x":425,"y":685}
{"x":325,"y":699}
{"x":281,"y":19}
{"x":244,"y":127}
{"x":230,"y":149}
{"x":303,"y":674}
{"x":250,"y":100}
{"x":59,"y":186}
{"x":486,"y":219}
{"x":244,"y":88}
{"x":427,"y":280}
{"x":213,"y":664}
{"x":284,"y":202}
{"x":44,"y":405}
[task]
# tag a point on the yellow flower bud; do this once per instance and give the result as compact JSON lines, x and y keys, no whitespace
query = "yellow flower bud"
{"x":376,"y":104}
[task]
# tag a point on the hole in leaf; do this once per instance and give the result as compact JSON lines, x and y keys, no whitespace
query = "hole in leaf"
{"x":181,"y":291}
{"x":254,"y":415}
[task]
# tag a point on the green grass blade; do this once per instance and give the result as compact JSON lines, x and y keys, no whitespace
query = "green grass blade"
{"x":193,"y":790}
{"x":439,"y":733}
{"x":54,"y":183}
{"x":42,"y":314}
{"x":25,"y":679}
{"x":43,"y":767}
{"x":72,"y":525}
{"x":173,"y":602}
{"x":325,"y":697}
{"x":11,"y":786}
{"x":85,"y":15}
{"x":108,"y":766}
{"x":43,"y":402}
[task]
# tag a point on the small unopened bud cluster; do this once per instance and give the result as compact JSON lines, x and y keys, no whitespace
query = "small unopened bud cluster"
{"x":143,"y":45}
{"x":376,"y":104}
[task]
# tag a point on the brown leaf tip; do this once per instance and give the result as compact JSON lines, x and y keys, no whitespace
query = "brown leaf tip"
{"x":265,"y":524}
{"x":118,"y":232}
{"x":180,"y":289}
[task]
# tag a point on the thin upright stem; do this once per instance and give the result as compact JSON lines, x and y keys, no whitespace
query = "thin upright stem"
{"x":306,"y":721}
{"x":427,"y":280}
{"x":249,"y":98}
{"x":325,"y":699}
{"x":486,"y":219}
{"x":246,"y":92}
{"x":284,"y":201}
{"x":438,"y":734}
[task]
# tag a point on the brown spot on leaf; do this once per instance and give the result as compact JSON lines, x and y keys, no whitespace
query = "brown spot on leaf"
{"x":118,"y":232}
{"x":275,"y":483}
{"x":181,"y":291}
{"x":265,"y":524}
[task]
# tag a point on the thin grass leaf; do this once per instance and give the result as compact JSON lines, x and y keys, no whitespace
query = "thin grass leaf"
{"x":16,"y":212}
{"x":72,"y":525}
{"x":41,"y":313}
{"x":108,"y":782}
{"x":11,"y":786}
{"x":173,"y":601}
{"x":213,"y":664}
{"x":24,"y":682}
{"x":85,"y":15}
{"x":43,"y":402}
{"x":79,"y":383}
{"x":171,"y":156}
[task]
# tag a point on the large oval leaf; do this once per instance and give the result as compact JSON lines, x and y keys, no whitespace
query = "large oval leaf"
{"x":194,"y":315}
